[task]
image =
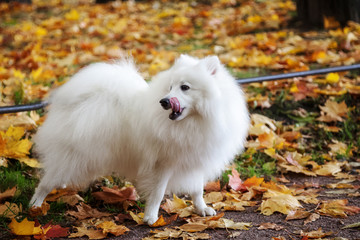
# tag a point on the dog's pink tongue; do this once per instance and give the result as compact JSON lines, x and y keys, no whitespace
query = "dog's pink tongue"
{"x":175,"y":104}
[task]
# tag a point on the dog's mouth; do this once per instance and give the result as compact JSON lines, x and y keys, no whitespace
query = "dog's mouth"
{"x":176,"y":108}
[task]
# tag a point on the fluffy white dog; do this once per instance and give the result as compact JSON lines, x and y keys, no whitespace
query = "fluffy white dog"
{"x":174,"y":134}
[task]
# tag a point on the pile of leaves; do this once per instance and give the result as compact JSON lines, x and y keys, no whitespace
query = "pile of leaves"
{"x":299,"y":127}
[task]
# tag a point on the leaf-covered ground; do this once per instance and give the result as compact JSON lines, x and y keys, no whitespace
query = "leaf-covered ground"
{"x":299,"y":176}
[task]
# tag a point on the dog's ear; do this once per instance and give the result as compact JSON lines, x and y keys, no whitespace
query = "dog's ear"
{"x":212,"y":64}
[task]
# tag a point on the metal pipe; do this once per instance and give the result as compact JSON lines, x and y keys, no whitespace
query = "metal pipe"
{"x":23,"y":108}
{"x":39,"y":105}
{"x":298,"y":74}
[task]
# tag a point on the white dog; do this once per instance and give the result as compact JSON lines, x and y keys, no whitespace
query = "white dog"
{"x":107,"y":119}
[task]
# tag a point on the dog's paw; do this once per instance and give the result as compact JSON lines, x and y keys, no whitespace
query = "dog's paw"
{"x":150,"y":220}
{"x":207,"y":211}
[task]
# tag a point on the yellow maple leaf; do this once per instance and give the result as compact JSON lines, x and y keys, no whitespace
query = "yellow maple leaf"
{"x":25,"y":227}
{"x":11,"y":144}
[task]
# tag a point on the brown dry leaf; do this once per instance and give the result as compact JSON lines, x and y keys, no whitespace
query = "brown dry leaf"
{"x":337,"y":208}
{"x":39,"y":211}
{"x":278,"y":202}
{"x":297,"y":214}
{"x":229,"y":224}
{"x":20,"y":120}
{"x":91,"y":233}
{"x":115,"y":195}
{"x":174,"y":206}
{"x":10,"y":210}
{"x":312,"y":218}
{"x":8,"y":193}
{"x":169,"y":233}
{"x":111,"y":227}
{"x":273,"y":226}
{"x":194,"y":227}
{"x":315,"y":234}
{"x":57,"y":193}
{"x":333,"y":111}
{"x":85,"y":211}
{"x":330,"y":168}
{"x":71,"y":200}
{"x":213,"y":197}
{"x":212,"y":187}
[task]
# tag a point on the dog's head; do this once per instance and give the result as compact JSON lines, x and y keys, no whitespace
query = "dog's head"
{"x":191,"y":86}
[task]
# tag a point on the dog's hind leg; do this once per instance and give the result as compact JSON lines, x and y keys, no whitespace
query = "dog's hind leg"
{"x":46,"y":185}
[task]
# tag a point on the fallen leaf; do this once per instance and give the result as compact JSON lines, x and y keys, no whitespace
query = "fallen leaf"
{"x":193,"y":227}
{"x":235,"y":182}
{"x":253,"y":181}
{"x":138,"y":218}
{"x":264,"y":226}
{"x":213,"y":197}
{"x":174,"y":206}
{"x":278,"y":202}
{"x":164,"y":221}
{"x":25,"y":227}
{"x":353,"y":225}
{"x":312,"y":218}
{"x":114,"y":195}
{"x":212,"y":187}
{"x":91,"y":233}
{"x":52,"y":231}
{"x":39,"y":211}
{"x":297,"y":214}
{"x":85,"y":211}
{"x":111,"y":227}
{"x":337,"y":208}
{"x":315,"y":234}
{"x":333,"y":111}
{"x":10,"y":210}
{"x":8,"y":193}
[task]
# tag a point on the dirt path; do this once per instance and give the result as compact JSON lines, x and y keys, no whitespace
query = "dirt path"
{"x":290,"y":229}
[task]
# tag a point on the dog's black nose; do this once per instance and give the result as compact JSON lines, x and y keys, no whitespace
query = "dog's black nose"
{"x":165,"y":103}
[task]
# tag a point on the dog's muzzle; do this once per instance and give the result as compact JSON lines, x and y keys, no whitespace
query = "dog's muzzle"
{"x":174,"y":104}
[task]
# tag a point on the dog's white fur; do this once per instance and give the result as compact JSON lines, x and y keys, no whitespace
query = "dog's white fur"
{"x":107,"y":119}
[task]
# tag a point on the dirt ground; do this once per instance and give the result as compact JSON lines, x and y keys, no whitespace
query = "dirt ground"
{"x":291,"y":228}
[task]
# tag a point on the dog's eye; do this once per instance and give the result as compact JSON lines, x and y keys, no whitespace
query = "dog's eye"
{"x":184,"y":87}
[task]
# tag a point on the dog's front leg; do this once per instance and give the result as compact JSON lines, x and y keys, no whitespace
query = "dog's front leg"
{"x":154,"y":196}
{"x":200,"y":206}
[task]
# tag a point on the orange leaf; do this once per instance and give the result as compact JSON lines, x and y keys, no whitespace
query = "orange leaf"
{"x":164,"y":221}
{"x":253,"y":181}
